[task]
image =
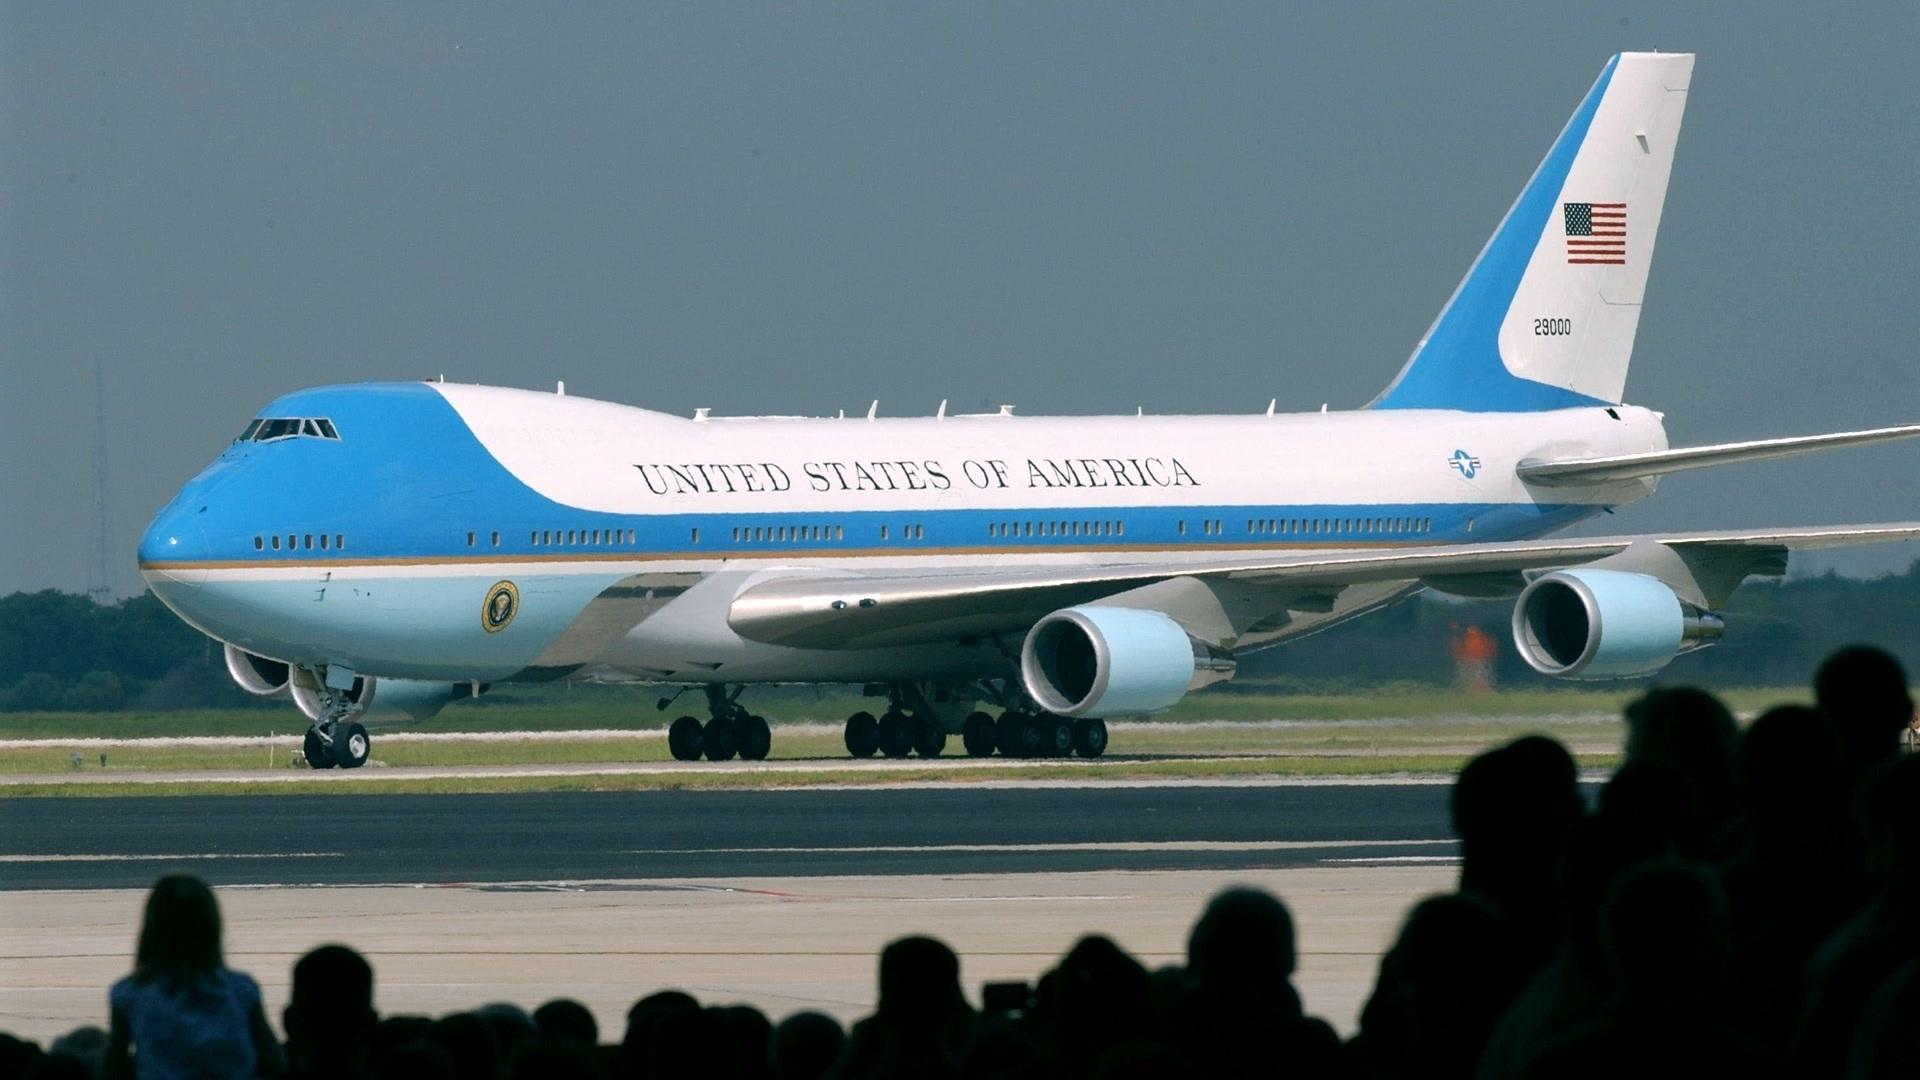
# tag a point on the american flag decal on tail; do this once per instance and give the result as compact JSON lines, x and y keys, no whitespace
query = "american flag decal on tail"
{"x":1596,"y":233}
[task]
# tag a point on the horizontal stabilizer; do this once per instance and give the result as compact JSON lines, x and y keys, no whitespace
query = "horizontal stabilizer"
{"x":1604,"y":470}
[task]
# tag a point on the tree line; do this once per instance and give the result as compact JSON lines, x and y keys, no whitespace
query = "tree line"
{"x":65,"y":651}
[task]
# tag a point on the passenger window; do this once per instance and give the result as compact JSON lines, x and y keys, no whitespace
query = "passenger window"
{"x":696,"y":535}
{"x":339,"y":541}
{"x":276,"y":541}
{"x":259,"y":544}
{"x":469,"y":540}
{"x":323,"y":541}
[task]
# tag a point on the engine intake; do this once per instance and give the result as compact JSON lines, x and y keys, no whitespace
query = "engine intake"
{"x":1606,"y":624}
{"x":1113,"y":661}
{"x":257,"y":674}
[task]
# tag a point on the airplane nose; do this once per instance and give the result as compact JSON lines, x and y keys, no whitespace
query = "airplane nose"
{"x":175,"y":549}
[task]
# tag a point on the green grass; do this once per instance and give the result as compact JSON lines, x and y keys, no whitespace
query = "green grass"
{"x":634,"y":710}
{"x":337,"y":784}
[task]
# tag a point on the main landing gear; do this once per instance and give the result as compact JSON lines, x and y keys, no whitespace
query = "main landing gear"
{"x":730,"y":730}
{"x":912,"y":724}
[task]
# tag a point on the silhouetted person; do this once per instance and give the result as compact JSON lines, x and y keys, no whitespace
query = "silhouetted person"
{"x":1513,"y":808}
{"x":805,"y":1046}
{"x":329,"y":1018}
{"x":183,"y":1012}
{"x":1798,"y":876}
{"x":1447,"y":980}
{"x":1098,"y":999}
{"x":564,"y":1020}
{"x":17,"y":1055}
{"x":1852,"y":965}
{"x":544,"y":1059}
{"x":1669,"y":945}
{"x":1692,"y":732}
{"x":1241,"y":1014}
{"x":414,"y":1059}
{"x":663,"y":1037}
{"x":86,"y":1045}
{"x":1863,"y":693}
{"x":1641,"y":812}
{"x":512,"y":1028}
{"x":1883,"y":1045}
{"x":922,"y":1023}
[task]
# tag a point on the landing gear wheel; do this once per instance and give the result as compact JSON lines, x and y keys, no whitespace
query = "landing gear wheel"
{"x":756,"y":739}
{"x":1055,"y":736}
{"x":978,"y":735}
{"x":929,"y":738}
{"x":720,"y":739}
{"x":1089,"y":737}
{"x":351,"y":746}
{"x":683,"y":739}
{"x":315,"y":751}
{"x":896,"y":734}
{"x":1010,"y":734}
{"x":863,"y":734}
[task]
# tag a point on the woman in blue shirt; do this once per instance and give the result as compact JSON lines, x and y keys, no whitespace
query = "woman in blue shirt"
{"x":183,"y":1012}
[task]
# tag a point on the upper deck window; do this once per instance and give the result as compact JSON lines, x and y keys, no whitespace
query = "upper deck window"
{"x":269,"y":428}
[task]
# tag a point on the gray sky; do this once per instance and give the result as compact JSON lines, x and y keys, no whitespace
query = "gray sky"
{"x":799,"y":208}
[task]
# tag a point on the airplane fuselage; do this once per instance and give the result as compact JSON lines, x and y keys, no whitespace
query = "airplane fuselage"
{"x":625,"y":533}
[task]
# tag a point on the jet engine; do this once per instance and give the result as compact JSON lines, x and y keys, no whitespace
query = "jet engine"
{"x":1113,"y":661}
{"x":1606,"y":624}
{"x":257,"y":674}
{"x":391,"y":700}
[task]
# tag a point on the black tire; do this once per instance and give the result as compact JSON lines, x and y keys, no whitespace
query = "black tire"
{"x":315,"y":751}
{"x":1010,"y":733}
{"x":863,"y":735}
{"x":1054,"y":736}
{"x":929,"y":738}
{"x":684,"y":738}
{"x":896,"y":734}
{"x":1089,"y":737}
{"x":351,"y":746}
{"x":756,"y":739}
{"x":720,"y":739}
{"x":978,"y":735}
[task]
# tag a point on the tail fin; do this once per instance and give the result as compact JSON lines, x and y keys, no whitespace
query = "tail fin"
{"x":1545,"y":318}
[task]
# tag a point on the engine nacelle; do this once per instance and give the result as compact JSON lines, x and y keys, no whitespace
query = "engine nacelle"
{"x":257,"y":674}
{"x":385,"y":700}
{"x":1606,"y":624}
{"x":1112,"y":661}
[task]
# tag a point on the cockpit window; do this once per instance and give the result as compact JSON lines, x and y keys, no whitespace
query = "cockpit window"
{"x":268,"y":428}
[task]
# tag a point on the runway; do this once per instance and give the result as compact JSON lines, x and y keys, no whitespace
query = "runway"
{"x":779,"y":898}
{"x":366,"y":839}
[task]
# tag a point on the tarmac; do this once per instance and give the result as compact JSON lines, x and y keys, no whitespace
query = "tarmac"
{"x":777,"y":898}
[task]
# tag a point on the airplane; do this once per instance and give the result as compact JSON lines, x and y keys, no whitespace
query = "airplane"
{"x":376,"y":551}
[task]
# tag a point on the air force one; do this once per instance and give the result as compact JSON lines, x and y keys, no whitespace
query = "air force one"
{"x":379,"y":550}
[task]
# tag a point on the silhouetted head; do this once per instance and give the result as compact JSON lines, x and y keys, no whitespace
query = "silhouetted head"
{"x":1789,"y":774}
{"x":180,"y":932}
{"x":512,"y":1027}
{"x":1100,"y":997}
{"x":87,"y":1045}
{"x":17,"y":1055}
{"x":329,"y":1016}
{"x":471,"y":1044}
{"x":919,"y":981}
{"x":1668,"y":937}
{"x":659,"y":1039}
{"x":806,"y":1045}
{"x":1243,"y":943}
{"x":738,"y":1038}
{"x":1452,"y":973}
{"x":1511,"y":808}
{"x":565,"y":1020}
{"x":1863,"y":692}
{"x":1692,"y":732}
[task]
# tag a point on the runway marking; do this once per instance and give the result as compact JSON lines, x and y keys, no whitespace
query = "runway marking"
{"x":1381,"y":859}
{"x":174,"y":857}
{"x":1093,"y":846}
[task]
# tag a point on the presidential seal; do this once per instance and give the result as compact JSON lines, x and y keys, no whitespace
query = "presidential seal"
{"x":503,"y":603}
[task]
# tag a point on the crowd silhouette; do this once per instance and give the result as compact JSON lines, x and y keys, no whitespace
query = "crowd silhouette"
{"x":1732,"y":903}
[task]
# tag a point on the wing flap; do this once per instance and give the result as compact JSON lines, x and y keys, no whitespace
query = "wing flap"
{"x":1565,"y":472}
{"x":858,"y":611}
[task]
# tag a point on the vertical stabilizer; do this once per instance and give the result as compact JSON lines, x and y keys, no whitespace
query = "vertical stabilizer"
{"x":1546,"y":316}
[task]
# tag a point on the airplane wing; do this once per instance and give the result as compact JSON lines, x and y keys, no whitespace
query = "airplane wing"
{"x":851,"y":610}
{"x":1560,"y":472}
